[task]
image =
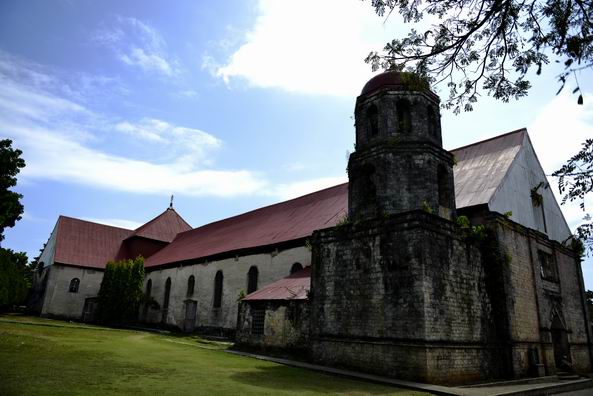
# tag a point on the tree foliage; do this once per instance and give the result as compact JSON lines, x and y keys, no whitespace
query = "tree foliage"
{"x":575,"y":181}
{"x":15,"y":278}
{"x":15,"y":273}
{"x":489,"y":44}
{"x":589,"y":302}
{"x":121,"y":293}
{"x":10,"y":165}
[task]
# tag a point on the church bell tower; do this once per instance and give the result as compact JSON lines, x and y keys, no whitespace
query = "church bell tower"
{"x":396,"y":290}
{"x":399,"y":164}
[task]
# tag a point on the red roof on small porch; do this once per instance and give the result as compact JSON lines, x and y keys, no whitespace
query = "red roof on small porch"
{"x":293,"y":287}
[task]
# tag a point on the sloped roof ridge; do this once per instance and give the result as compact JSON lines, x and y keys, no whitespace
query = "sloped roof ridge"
{"x":93,"y":222}
{"x":508,"y":171}
{"x":143,"y":226}
{"x":76,"y":242}
{"x":252,"y":211}
{"x":516,"y":131}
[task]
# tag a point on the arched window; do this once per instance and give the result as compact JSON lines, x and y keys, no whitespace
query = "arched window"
{"x":252,"y":279}
{"x":369,"y":189}
{"x":218,"y":289}
{"x":373,"y":116}
{"x":444,"y":192}
{"x":146,"y":304}
{"x":191,"y":282}
{"x":403,"y":116}
{"x":432,"y":121}
{"x":167,"y":293}
{"x":74,"y":283}
{"x":296,"y":267}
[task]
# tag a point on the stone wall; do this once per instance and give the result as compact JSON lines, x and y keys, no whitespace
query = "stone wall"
{"x":398,"y":177}
{"x":271,"y":267}
{"x":286,"y":325}
{"x":404,"y":296}
{"x":533,"y":300}
{"x":59,"y":301}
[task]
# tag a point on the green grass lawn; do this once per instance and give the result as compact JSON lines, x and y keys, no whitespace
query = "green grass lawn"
{"x":41,"y":356}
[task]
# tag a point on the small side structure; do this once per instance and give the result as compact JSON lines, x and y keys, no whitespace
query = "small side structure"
{"x":276,"y":316}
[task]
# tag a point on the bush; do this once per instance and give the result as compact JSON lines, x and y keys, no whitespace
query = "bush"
{"x":14,"y":283}
{"x":121,"y":293}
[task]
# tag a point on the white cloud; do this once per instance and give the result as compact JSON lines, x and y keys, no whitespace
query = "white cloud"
{"x":187,"y":93}
{"x":557,"y":133}
{"x":147,"y":61}
{"x":61,"y":140}
{"x":24,"y":82}
{"x":51,"y":156}
{"x":308,"y":46}
{"x":188,"y":146}
{"x":137,"y":43}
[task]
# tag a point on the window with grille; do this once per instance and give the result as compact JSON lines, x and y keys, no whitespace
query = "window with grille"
{"x":548,"y":266}
{"x":74,"y":283}
{"x":258,"y":318}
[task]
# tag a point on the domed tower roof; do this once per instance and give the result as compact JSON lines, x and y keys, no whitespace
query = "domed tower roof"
{"x":397,"y":81}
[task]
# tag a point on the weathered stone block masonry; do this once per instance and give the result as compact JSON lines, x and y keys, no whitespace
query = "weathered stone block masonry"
{"x":382,"y":278}
{"x":400,"y":289}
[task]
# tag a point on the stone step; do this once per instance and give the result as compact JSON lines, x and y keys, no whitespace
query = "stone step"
{"x":565,"y":376}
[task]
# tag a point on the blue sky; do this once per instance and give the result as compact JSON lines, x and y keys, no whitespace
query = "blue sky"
{"x":228,"y":105}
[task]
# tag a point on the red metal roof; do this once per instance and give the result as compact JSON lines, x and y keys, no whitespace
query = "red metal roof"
{"x":285,"y":221}
{"x":87,"y":244}
{"x":164,"y":227}
{"x":299,"y":217}
{"x":293,"y":287}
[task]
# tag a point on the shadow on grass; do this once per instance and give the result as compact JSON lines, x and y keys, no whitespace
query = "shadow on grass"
{"x":284,"y":378}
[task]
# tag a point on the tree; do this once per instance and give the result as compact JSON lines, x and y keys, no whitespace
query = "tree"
{"x":575,"y":181}
{"x":589,"y":302}
{"x":14,"y":283}
{"x":493,"y":45}
{"x":121,"y":291}
{"x":10,"y":165}
{"x":15,"y":276}
{"x":490,"y":44}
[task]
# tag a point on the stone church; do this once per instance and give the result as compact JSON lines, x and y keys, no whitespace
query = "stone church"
{"x":438,"y":266}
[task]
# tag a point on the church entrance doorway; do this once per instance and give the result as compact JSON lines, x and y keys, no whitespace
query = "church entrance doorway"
{"x":561,"y":345}
{"x":89,"y":310}
{"x":189,"y":324}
